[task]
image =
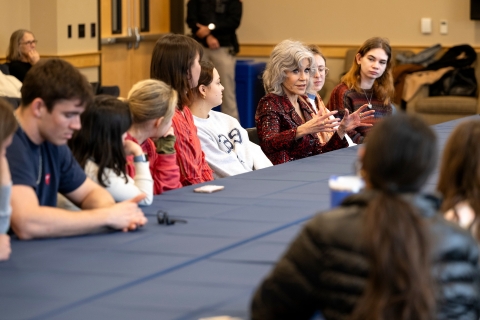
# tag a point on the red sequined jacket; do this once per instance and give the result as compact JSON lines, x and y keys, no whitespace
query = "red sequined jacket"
{"x":277,"y":123}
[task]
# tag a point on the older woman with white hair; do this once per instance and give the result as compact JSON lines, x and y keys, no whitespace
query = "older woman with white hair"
{"x":287,"y":126}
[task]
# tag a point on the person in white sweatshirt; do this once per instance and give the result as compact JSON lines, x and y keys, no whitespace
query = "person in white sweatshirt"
{"x":100,"y":148}
{"x":225,"y":143}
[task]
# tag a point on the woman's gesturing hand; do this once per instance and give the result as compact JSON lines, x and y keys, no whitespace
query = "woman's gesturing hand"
{"x":354,"y":120}
{"x":318,"y":123}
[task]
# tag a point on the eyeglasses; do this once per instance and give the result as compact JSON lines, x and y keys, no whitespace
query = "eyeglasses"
{"x":29,"y":42}
{"x":323,"y":70}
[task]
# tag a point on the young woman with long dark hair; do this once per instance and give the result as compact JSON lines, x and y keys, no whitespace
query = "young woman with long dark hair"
{"x":385,"y":253}
{"x":176,"y":61}
{"x":101,"y":149}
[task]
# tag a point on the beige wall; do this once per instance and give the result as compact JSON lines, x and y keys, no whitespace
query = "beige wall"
{"x":327,"y":22}
{"x":48,"y":20}
{"x":13,"y":15}
{"x":75,"y":12}
{"x":44,"y":25}
{"x":270,"y":21}
{"x":350,"y":22}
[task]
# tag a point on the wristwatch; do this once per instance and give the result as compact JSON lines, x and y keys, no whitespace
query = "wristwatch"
{"x":141,"y":158}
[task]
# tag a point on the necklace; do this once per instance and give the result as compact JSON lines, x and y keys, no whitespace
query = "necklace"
{"x":369,"y":100}
{"x":39,"y":166}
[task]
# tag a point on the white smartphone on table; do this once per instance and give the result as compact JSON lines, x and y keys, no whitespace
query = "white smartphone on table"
{"x":209,"y":188}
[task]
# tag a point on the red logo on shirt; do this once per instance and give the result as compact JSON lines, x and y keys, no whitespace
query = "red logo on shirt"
{"x":47,"y":179}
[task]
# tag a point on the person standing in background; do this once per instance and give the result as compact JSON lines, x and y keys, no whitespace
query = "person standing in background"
{"x":213,"y":24}
{"x":101,"y":148}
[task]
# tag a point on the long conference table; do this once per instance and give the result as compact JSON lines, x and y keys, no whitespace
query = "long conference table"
{"x":208,"y":267}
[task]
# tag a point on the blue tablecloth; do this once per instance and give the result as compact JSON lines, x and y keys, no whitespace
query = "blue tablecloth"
{"x":207,"y":267}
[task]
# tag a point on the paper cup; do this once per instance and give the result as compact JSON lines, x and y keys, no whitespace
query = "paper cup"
{"x":343,"y":186}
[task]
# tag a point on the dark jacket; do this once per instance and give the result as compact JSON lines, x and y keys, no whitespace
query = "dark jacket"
{"x":19,"y":69}
{"x":326,"y":269}
{"x":225,"y":14}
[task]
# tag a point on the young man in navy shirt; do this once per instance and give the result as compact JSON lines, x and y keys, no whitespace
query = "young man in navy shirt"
{"x":54,"y":94}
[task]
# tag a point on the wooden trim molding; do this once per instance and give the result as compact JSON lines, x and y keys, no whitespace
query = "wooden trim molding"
{"x":92,"y":59}
{"x":330,"y":51}
{"x":264,"y":50}
{"x":79,"y":60}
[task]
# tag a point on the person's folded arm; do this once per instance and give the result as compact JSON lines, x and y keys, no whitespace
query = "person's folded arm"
{"x":260,"y":160}
{"x":166,"y":173}
{"x":192,"y":169}
{"x":232,"y":18}
{"x":122,"y":188}
{"x":31,"y":220}
{"x":164,"y":168}
{"x":91,"y":195}
{"x":5,"y":248}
